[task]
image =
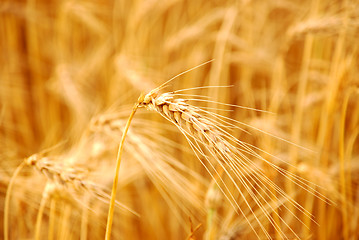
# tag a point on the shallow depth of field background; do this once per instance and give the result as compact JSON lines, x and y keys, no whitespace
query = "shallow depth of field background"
{"x":66,"y":64}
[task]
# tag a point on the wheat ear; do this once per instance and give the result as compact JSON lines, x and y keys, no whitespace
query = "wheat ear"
{"x":66,"y":176}
{"x":74,"y":177}
{"x":231,"y":156}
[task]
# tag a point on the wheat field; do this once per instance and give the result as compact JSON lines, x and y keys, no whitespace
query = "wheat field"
{"x":258,"y":137}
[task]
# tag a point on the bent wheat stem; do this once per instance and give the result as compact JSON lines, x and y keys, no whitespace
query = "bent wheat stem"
{"x":115,"y":180}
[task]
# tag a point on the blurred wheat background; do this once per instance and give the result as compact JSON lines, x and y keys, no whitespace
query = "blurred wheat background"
{"x":71,"y":70}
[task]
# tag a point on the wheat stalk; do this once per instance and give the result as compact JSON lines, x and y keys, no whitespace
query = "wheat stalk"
{"x":232,"y":159}
{"x":120,"y":152}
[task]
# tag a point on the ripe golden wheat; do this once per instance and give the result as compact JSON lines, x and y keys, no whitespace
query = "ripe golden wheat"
{"x":65,"y":62}
{"x":232,"y":159}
